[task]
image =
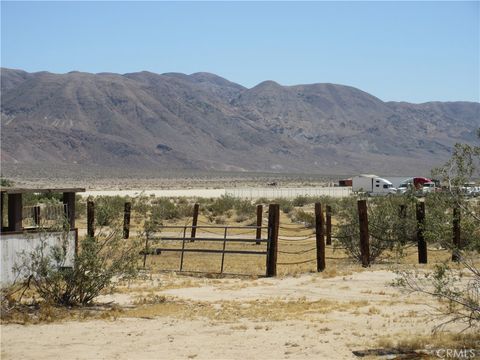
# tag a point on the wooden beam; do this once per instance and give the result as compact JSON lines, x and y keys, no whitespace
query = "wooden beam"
{"x":15,"y":209}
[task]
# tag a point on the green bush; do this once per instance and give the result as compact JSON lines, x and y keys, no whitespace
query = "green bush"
{"x":99,"y":261}
{"x":285,"y":205}
{"x":305,"y":217}
{"x":301,"y":201}
{"x":109,"y":209}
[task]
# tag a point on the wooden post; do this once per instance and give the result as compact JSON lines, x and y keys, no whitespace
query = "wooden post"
{"x":320,"y":237}
{"x":194,"y":221}
{"x":329,"y":225}
{"x":15,"y":209}
{"x":36,"y":215}
{"x":273,"y":225}
{"x":1,"y":211}
{"x":364,"y":236}
{"x":422,"y":244}
{"x":126,"y":220}
{"x":258,"y":234}
{"x":90,"y":218}
{"x":456,"y":234}
{"x":69,"y":206}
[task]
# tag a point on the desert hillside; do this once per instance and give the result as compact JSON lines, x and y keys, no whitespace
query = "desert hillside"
{"x":204,"y":122}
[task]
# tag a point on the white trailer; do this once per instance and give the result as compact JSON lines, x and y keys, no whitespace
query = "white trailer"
{"x":372,"y":185}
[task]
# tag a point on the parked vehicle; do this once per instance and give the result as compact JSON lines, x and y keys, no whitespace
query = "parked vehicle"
{"x":469,"y":189}
{"x":417,"y":185}
{"x":372,"y":185}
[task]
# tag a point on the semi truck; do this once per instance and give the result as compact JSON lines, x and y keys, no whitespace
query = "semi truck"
{"x":372,"y":185}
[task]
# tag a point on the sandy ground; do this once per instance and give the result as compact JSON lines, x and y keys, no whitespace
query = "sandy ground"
{"x":246,"y":193}
{"x":339,"y":314}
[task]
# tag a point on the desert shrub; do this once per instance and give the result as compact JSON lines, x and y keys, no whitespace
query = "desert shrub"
{"x":261,"y":201}
{"x":300,"y":215}
{"x":459,"y":298}
{"x":387,"y":229}
{"x":285,"y":205}
{"x":108,"y":209}
{"x":221,"y":205}
{"x":6,"y":182}
{"x":220,"y":220}
{"x":300,"y":201}
{"x":99,"y":261}
{"x":244,"y":208}
{"x":80,"y":206}
{"x":164,"y":209}
{"x":241,"y":218}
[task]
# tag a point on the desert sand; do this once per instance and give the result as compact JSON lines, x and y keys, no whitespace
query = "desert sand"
{"x":309,"y":316}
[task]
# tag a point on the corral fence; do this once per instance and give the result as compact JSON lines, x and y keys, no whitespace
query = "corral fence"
{"x":218,"y":239}
{"x":267,"y":241}
{"x":288,"y":193}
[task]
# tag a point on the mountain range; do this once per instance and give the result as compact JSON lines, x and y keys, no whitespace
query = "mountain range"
{"x":205,"y":122}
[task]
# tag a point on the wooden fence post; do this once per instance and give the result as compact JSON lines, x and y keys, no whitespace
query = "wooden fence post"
{"x":90,"y":218}
{"x":320,"y":237}
{"x":273,"y":224}
{"x":36,"y":215}
{"x":15,"y":212}
{"x":456,"y":234}
{"x":364,"y":236}
{"x":329,"y":224}
{"x":1,"y":211}
{"x":194,"y":222}
{"x":126,"y":220}
{"x":258,"y":234}
{"x":422,"y":244}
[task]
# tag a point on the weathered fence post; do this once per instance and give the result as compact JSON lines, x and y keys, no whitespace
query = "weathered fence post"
{"x":258,"y":234}
{"x":36,"y":215}
{"x":422,"y":244}
{"x":194,"y":222}
{"x":364,"y":236}
{"x":126,"y":220}
{"x":15,"y":212}
{"x":90,"y":218}
{"x":329,"y":224}
{"x":320,"y":237}
{"x":273,"y":224}
{"x":456,"y":234}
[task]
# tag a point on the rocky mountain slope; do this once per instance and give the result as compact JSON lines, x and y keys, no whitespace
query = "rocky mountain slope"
{"x":202,"y":121}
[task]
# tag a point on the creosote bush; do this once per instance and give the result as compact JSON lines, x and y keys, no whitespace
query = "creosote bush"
{"x":100,"y":260}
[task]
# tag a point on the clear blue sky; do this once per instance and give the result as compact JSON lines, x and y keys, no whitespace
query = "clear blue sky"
{"x":411,"y":51}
